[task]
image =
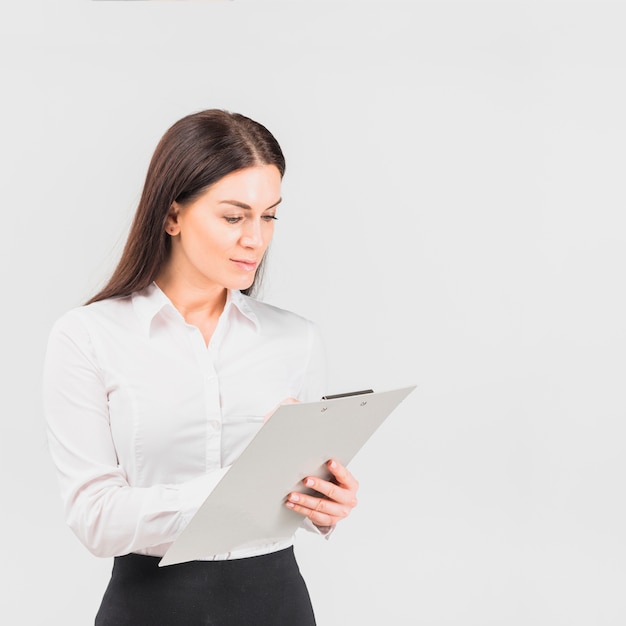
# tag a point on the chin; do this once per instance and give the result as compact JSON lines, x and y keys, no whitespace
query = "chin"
{"x":240,"y":285}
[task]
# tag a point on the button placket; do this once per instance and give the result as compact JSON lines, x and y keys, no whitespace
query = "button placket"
{"x":211,"y":400}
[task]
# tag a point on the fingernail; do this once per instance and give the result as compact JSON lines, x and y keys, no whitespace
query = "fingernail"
{"x":294,"y":497}
{"x":333,"y":464}
{"x":309,"y":482}
{"x":290,"y":505}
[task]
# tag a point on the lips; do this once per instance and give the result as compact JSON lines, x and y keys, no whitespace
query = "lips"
{"x":246,"y":266}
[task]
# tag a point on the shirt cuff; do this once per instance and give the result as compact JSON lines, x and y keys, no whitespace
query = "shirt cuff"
{"x":324,"y":531}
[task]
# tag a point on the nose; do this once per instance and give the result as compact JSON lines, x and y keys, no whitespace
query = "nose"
{"x":252,"y":236}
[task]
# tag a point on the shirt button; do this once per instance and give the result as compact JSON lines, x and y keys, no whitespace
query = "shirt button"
{"x":215,"y":425}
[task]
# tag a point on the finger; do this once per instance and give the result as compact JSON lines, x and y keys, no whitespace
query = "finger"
{"x":335,"y":508}
{"x":342,"y":475}
{"x":316,"y":517}
{"x":333,"y":492}
{"x":320,"y":511}
{"x":285,"y":401}
{"x":342,"y":489}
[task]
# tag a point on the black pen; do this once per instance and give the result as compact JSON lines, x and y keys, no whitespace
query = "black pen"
{"x":345,"y":395}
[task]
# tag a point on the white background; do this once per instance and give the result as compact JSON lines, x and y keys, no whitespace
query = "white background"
{"x":453,"y":217}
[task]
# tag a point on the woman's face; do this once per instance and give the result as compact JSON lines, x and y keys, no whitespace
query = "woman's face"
{"x":220,"y":238}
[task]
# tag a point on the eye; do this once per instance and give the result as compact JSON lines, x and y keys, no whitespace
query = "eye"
{"x":269,"y":218}
{"x":232,"y":220}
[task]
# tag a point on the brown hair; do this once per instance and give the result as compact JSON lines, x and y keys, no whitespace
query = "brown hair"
{"x":192,"y":155}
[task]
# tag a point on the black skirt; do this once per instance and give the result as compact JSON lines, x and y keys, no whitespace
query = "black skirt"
{"x":265,"y":590}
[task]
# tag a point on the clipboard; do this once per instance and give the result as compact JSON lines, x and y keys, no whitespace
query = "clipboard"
{"x":246,"y":507}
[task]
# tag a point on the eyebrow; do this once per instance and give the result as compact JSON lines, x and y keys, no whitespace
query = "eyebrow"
{"x":247,"y":207}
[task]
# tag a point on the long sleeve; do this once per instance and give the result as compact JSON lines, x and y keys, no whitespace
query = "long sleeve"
{"x":108,"y":515}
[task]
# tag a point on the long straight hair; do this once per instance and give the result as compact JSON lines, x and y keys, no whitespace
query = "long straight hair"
{"x":194,"y":153}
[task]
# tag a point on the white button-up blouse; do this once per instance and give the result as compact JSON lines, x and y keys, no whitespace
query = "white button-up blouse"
{"x":143,"y":419}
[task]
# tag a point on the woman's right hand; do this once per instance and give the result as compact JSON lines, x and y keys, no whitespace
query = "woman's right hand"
{"x":285,"y":401}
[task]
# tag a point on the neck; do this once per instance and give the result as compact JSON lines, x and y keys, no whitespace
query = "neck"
{"x":193,"y":301}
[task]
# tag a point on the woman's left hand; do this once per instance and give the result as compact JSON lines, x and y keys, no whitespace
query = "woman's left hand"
{"x":338,"y":497}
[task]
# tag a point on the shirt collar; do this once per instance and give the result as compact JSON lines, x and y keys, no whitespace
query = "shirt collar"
{"x":151,"y":301}
{"x":237,"y":299}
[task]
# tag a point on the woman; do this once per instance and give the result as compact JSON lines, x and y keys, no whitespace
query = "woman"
{"x":155,"y":387}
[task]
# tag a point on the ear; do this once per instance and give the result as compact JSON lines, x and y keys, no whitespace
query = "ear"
{"x":172,"y":226}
